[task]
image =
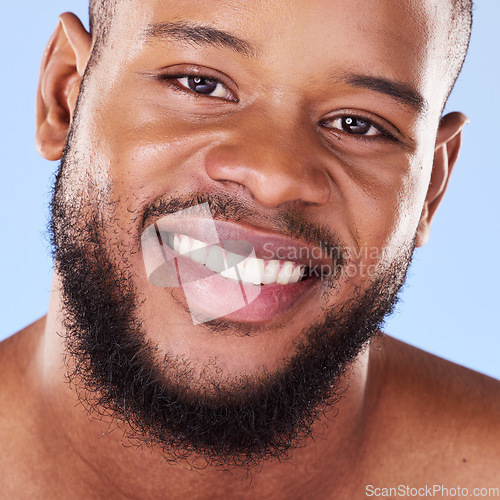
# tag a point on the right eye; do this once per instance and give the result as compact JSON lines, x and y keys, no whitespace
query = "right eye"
{"x":353,"y":125}
{"x":202,"y":86}
{"x":205,"y":86}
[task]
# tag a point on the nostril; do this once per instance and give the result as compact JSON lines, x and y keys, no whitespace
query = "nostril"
{"x":271,"y":173}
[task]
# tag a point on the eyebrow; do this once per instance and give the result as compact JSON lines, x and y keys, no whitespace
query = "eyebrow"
{"x":187,"y":32}
{"x":400,"y":91}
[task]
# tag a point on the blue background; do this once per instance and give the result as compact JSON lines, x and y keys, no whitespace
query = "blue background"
{"x":450,"y":302}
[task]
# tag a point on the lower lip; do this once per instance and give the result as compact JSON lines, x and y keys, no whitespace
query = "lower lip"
{"x":211,"y":296}
{"x":220,"y":294}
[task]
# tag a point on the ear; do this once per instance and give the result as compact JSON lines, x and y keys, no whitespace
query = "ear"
{"x":61,"y":72}
{"x":448,"y":144}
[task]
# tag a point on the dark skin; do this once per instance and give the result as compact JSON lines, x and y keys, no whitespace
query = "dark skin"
{"x":408,"y":417}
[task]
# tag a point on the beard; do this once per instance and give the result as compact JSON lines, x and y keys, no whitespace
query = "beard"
{"x":156,"y":398}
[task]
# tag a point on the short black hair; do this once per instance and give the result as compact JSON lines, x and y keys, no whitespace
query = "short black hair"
{"x":459,"y":36}
{"x":101,"y":13}
{"x":100,"y":16}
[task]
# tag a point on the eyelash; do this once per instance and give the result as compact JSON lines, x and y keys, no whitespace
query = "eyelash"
{"x":385,"y":135}
{"x":173,"y":81}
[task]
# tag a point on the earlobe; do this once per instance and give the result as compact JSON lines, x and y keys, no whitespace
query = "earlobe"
{"x":446,"y":152}
{"x":61,"y":72}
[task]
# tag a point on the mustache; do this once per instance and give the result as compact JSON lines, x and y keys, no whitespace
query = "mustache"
{"x":288,"y":222}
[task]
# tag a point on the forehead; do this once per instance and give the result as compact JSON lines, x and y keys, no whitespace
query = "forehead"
{"x":403,"y":41}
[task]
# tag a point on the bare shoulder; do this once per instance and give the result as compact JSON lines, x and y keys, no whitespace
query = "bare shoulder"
{"x":446,"y":417}
{"x":16,"y":354}
{"x":17,"y":403}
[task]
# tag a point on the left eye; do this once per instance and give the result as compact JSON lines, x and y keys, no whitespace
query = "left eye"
{"x":353,"y":125}
{"x":205,"y":86}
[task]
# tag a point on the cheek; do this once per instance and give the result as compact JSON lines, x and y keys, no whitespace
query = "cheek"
{"x":384,"y":203}
{"x":156,"y":150}
{"x":146,"y":159}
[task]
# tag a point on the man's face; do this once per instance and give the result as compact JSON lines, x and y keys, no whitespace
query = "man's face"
{"x":312,"y":121}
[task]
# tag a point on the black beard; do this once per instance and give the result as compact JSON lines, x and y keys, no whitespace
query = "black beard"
{"x":236,"y":422}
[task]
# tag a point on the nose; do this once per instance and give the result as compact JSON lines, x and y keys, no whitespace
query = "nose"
{"x":275,"y":164}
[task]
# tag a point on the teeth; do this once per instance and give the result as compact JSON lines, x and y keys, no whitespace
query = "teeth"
{"x":230,"y":271}
{"x":215,"y":259}
{"x":298,"y":272}
{"x":271,"y":272}
{"x":253,"y":271}
{"x":177,"y":243}
{"x":230,"y":274}
{"x":185,"y":246}
{"x":199,"y":252}
{"x":285,"y":273}
{"x":250,"y":270}
{"x":241,"y":267}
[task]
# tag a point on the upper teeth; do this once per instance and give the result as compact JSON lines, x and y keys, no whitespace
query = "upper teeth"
{"x":249,"y":270}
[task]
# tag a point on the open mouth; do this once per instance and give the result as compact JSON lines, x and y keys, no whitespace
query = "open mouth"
{"x":246,"y":269}
{"x":231,"y":270}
